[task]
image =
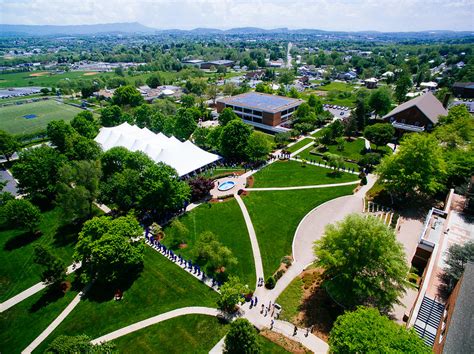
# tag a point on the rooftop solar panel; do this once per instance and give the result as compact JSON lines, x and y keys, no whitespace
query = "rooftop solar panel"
{"x":264,"y":102}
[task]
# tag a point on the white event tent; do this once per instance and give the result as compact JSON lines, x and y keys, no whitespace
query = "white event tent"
{"x":184,"y":157}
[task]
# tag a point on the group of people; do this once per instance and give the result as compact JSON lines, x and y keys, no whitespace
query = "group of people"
{"x":186,"y":264}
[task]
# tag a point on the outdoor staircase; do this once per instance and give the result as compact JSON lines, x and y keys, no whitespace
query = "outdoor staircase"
{"x":428,"y":319}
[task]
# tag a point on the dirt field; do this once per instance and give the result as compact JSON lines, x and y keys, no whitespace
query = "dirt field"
{"x":39,"y":74}
{"x":91,"y":73}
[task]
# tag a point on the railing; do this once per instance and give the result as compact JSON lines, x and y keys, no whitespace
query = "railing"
{"x":412,"y":128}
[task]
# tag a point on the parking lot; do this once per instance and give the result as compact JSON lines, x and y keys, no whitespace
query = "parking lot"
{"x":338,"y":111}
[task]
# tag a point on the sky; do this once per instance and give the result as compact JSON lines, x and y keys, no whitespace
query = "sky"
{"x":344,"y":15}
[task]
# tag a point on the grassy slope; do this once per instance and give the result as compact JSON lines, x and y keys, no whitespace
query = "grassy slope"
{"x":12,"y":119}
{"x":276,"y":215}
{"x":225,"y":220}
{"x":21,"y":324}
{"x":161,"y":287}
{"x":290,"y":300}
{"x":292,"y":173}
{"x":305,"y":154}
{"x":18,"y":272}
{"x":299,"y":145}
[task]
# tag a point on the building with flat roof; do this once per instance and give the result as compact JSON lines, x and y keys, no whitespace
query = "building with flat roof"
{"x":217,"y":63}
{"x":463,"y":89}
{"x":260,"y":108}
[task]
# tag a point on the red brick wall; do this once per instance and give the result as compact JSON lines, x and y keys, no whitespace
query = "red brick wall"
{"x":271,"y":118}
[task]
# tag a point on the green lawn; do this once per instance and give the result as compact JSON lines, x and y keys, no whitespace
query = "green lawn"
{"x":299,"y":145}
{"x":268,"y":347}
{"x":306,"y":155}
{"x":225,"y":220}
{"x":276,"y":215}
{"x":12,"y":117}
{"x":339,"y":86}
{"x":185,"y":334}
{"x":293,"y":173}
{"x":161,"y":287}
{"x":45,"y":78}
{"x":220,"y":172}
{"x":22,"y":323}
{"x":18,"y":272}
{"x":352,"y":149}
{"x":290,"y":300}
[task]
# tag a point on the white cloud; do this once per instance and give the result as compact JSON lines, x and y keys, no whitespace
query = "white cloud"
{"x":355,"y":15}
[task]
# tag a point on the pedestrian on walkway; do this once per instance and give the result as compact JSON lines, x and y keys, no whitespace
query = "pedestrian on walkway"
{"x":295,"y":331}
{"x":271,"y":324}
{"x":307,"y":332}
{"x":262,"y":308}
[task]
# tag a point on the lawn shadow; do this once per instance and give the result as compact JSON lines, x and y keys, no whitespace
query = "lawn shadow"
{"x":52,"y":294}
{"x":21,"y":240}
{"x":66,"y":234}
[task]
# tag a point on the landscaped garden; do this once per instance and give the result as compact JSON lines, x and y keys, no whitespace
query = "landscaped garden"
{"x":276,"y":215}
{"x":293,"y":173}
{"x":161,"y":287}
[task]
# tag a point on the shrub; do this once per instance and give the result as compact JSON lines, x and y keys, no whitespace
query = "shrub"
{"x":270,"y":283}
{"x":200,"y":187}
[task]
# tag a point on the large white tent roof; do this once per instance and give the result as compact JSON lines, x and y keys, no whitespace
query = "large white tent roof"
{"x":184,"y":157}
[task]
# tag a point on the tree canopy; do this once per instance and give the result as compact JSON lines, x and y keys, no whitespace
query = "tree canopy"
{"x":226,"y":116}
{"x":8,"y":144}
{"x":380,"y":134}
{"x":21,"y":214}
{"x":259,"y":147}
{"x":212,"y":254}
{"x":363,"y":262}
{"x":54,"y":268}
{"x":127,"y":95}
{"x":111,"y":250}
{"x":241,"y":338}
{"x":457,"y":258}
{"x":367,"y":331}
{"x":234,"y":140}
{"x":380,"y":101}
{"x":232,"y":293}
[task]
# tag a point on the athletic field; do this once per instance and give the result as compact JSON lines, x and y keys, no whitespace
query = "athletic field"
{"x":12,"y":118}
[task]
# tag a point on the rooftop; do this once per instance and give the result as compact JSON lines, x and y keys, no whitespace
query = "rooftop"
{"x":262,"y":101}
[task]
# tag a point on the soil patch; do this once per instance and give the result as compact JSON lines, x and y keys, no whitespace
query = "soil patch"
{"x":91,"y":73}
{"x":282,"y":341}
{"x":321,"y":93}
{"x":39,"y":74}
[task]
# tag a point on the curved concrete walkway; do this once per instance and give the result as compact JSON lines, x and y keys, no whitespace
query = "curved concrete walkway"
{"x":253,"y":239}
{"x":154,"y":320}
{"x":302,"y":187}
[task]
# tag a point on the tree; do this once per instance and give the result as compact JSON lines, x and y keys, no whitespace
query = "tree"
{"x":60,"y":134}
{"x":417,"y":168}
{"x":259,"y":147}
{"x":403,"y":84}
{"x":212,"y":254}
{"x":227,"y":115}
{"x":127,"y":95}
{"x":37,"y":172}
{"x":212,"y":91}
{"x":55,"y":268}
{"x":188,"y":101}
{"x":111,"y":250}
{"x":111,"y":116}
{"x":21,"y":214}
{"x":77,"y":344}
{"x":82,"y":148}
{"x":8,"y":144}
{"x":234,"y":140}
{"x":85,"y":125}
{"x":200,"y":187}
{"x":380,"y":134}
{"x":282,"y":139}
{"x":78,"y":188}
{"x":178,"y":235}
{"x":232,"y":293}
{"x":185,"y":123}
{"x":293,"y":93}
{"x":334,"y":160}
{"x":367,"y":331}
{"x":241,"y":338}
{"x":154,"y":81}
{"x":361,"y":113}
{"x":286,"y":77}
{"x":363,"y":262}
{"x":350,"y":127}
{"x":380,"y":101}
{"x":457,"y":258}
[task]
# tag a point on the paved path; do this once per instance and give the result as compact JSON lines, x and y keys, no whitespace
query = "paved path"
{"x":154,"y":320}
{"x":253,"y":238}
{"x":57,"y":321}
{"x":31,"y":291}
{"x":322,"y":165}
{"x":302,"y":149}
{"x":302,"y":187}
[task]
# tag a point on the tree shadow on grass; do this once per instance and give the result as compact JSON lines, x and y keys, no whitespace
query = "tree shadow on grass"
{"x":66,"y":234}
{"x":21,"y":240}
{"x":53,"y":293}
{"x":320,"y":311}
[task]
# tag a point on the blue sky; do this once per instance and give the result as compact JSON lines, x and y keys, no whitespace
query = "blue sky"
{"x":351,"y":15}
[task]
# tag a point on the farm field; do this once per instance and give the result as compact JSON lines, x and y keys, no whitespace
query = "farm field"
{"x":44,"y":78}
{"x":13,"y":121}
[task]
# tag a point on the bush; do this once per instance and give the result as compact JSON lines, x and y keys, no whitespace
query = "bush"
{"x":200,"y":187}
{"x":270,"y":283}
{"x":279,"y":274}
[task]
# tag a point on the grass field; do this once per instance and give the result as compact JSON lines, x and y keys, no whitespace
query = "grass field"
{"x":12,"y":117}
{"x":225,"y":220}
{"x":220,"y":172}
{"x":290,"y":300}
{"x":22,"y":323}
{"x":339,"y":86}
{"x":299,"y":145}
{"x":161,"y":287}
{"x":306,"y":154}
{"x":44,"y":78}
{"x":275,"y":216}
{"x":293,"y":173}
{"x":18,"y":271}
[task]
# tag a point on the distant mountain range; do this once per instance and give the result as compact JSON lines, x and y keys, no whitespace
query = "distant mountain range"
{"x":137,"y":28}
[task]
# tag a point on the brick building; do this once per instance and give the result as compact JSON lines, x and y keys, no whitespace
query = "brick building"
{"x":260,"y":108}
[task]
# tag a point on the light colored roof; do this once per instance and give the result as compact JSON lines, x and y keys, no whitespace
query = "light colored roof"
{"x":261,"y":101}
{"x":184,"y":157}
{"x":427,"y":104}
{"x":167,"y":92}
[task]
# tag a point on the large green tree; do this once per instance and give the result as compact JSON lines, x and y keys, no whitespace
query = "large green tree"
{"x":37,"y":172}
{"x":363,"y":262}
{"x":127,"y":95}
{"x":242,"y":338}
{"x":380,"y":101}
{"x":457,"y":258}
{"x":259,"y":147}
{"x":84,"y":123}
{"x":60,"y":134}
{"x":402,"y":87}
{"x":212,"y":254}
{"x":54,"y":268}
{"x":367,"y":331}
{"x":380,"y":134}
{"x":417,"y":168}
{"x":111,"y":250}
{"x":21,"y":214}
{"x":111,"y":116}
{"x":227,"y":115}
{"x":234,"y":140}
{"x":8,"y":144}
{"x":231,"y":293}
{"x":185,"y":123}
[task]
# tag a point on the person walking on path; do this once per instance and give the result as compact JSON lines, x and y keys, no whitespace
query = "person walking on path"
{"x":295,"y":331}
